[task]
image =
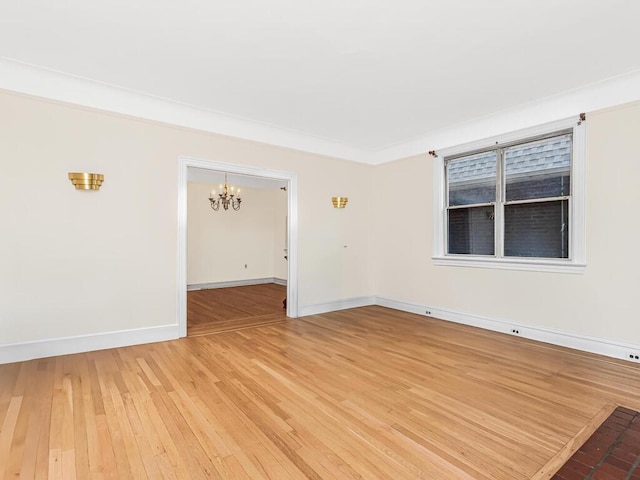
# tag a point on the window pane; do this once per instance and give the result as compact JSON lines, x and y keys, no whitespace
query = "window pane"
{"x":538,"y":169}
{"x":472,"y":179}
{"x":537,"y":229}
{"x":471,"y":231}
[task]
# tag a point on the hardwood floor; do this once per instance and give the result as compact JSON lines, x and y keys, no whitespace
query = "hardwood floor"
{"x":223,"y":309}
{"x":367,"y":393}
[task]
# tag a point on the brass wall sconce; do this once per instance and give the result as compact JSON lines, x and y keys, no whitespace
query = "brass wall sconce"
{"x":86,"y":181}
{"x":339,"y":202}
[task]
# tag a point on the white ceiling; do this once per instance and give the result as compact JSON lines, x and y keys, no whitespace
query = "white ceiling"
{"x":367,"y":75}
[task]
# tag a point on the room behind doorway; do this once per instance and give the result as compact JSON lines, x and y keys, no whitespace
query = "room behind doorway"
{"x":225,"y":309}
{"x":237,"y":265}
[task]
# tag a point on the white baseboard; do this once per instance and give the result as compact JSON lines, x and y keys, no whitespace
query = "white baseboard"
{"x":235,"y":283}
{"x":561,"y":338}
{"x":19,"y":352}
{"x":343,"y":304}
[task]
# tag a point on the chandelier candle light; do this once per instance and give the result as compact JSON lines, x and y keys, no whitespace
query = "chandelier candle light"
{"x":228,"y":196}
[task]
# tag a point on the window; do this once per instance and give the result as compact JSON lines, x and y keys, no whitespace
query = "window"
{"x":515,"y":202}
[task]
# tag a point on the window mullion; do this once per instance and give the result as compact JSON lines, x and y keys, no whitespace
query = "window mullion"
{"x":538,"y":200}
{"x":472,"y":205}
{"x":445,"y":210}
{"x":499,"y":206}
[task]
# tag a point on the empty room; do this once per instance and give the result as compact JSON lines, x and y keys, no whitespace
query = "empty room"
{"x":322,"y":240}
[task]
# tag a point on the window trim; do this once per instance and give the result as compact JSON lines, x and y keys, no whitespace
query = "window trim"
{"x":577,"y":230}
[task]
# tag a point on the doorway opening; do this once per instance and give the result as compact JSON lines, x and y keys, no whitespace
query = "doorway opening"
{"x":190,"y":168}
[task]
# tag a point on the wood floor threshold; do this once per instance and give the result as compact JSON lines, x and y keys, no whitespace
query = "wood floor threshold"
{"x":572,"y":446}
{"x":237,"y":328}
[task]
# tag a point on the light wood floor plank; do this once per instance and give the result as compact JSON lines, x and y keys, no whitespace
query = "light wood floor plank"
{"x":358,"y":394}
{"x":7,"y":433}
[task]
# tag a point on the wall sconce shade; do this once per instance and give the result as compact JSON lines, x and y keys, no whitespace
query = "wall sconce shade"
{"x":86,"y":181}
{"x":339,"y":202}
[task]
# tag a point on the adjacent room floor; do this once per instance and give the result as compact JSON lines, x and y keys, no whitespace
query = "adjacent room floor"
{"x":223,"y":309}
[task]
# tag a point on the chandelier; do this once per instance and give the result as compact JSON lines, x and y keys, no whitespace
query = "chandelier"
{"x":227,"y":196}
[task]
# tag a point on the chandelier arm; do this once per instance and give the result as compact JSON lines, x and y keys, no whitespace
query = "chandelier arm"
{"x":225,"y":198}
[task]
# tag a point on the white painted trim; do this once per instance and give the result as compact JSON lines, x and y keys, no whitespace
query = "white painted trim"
{"x":577,"y":231}
{"x":184,"y":163}
{"x":19,"y":352}
{"x":34,"y":80}
{"x":439,"y":228}
{"x":579,"y":195}
{"x":336,"y":305}
{"x":292,"y":247}
{"x":601,"y":346}
{"x":507,"y":264}
{"x":509,"y":136}
{"x":235,"y":283}
{"x":586,"y":98}
{"x":42,"y":82}
{"x":181,"y":273}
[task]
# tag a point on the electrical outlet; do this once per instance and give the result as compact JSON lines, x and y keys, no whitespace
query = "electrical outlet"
{"x":427,"y":312}
{"x":634,"y":356}
{"x":515,"y":331}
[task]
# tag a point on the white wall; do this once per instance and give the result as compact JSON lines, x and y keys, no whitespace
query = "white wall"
{"x":280,"y":266}
{"x":220,"y":244}
{"x":601,"y":303}
{"x":86,"y":263}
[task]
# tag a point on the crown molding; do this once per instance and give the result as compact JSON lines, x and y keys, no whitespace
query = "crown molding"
{"x":41,"y":82}
{"x":595,"y":96}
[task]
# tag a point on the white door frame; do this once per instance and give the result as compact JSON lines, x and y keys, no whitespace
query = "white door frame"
{"x":292,"y":229}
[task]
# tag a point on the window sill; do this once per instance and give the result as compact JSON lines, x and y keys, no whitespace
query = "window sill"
{"x":533,"y":265}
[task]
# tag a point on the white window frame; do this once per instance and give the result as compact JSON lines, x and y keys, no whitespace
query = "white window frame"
{"x":577,"y":228}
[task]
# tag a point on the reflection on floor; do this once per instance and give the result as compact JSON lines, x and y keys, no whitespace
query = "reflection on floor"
{"x":225,"y":309}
